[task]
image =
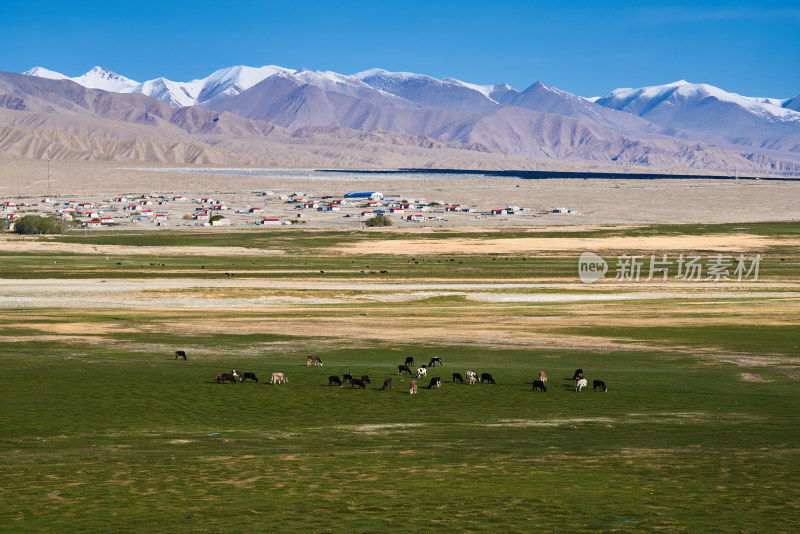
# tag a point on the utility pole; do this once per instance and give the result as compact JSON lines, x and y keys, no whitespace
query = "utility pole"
{"x":48,"y":172}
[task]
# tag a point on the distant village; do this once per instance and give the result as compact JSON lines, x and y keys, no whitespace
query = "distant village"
{"x":264,"y":208}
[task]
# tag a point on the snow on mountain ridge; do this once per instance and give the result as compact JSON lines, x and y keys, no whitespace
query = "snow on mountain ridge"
{"x":485,"y":90}
{"x":42,"y":72}
{"x":102,"y":78}
{"x":428,"y":92}
{"x":622,"y":99}
{"x":96,"y":78}
{"x":407,"y":89}
{"x":176,"y":94}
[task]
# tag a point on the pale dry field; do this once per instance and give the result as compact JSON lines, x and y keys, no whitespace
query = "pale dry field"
{"x":343,"y":313}
{"x":726,"y":243}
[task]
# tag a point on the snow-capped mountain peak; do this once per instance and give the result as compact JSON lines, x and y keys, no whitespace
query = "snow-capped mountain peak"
{"x":644,"y":99}
{"x":705,"y":108}
{"x":429,"y":92}
{"x":42,"y":72}
{"x":102,"y":78}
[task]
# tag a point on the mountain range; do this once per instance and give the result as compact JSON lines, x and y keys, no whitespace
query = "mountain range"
{"x":274,"y":115}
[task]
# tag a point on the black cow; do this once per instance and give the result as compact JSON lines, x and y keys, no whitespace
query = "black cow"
{"x":403,"y":369}
{"x":358,"y":382}
{"x":180,"y":354}
{"x":435,"y":360}
{"x":539,"y":384}
{"x":387,"y":384}
{"x":334,"y":380}
{"x":365,"y":379}
{"x":410,"y":361}
{"x":578,"y":374}
{"x":347,"y":377}
{"x":486,"y":377}
{"x":251,"y":376}
{"x":599,"y":384}
{"x":458,"y":378}
{"x":436,"y":382}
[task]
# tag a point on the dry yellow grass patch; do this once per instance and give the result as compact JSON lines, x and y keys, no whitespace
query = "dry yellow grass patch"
{"x":752,"y":377}
{"x":12,"y":244}
{"x":452,"y":245}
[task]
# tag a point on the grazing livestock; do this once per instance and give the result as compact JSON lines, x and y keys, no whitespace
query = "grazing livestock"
{"x":403,"y":369}
{"x":434,"y":361}
{"x":486,"y":377}
{"x":358,"y":382}
{"x":347,"y":377}
{"x":315,"y":360}
{"x":422,"y":372}
{"x":542,"y":376}
{"x":227,"y":377}
{"x":580,"y":384}
{"x":387,"y":384}
{"x":458,"y":378}
{"x":578,"y":374}
{"x":472,"y":377}
{"x":365,"y":379}
{"x":410,"y":361}
{"x":180,"y":354}
{"x":277,"y":378}
{"x":599,"y":384}
{"x":251,"y":376}
{"x":218,"y":379}
{"x":237,"y":375}
{"x":334,"y":380}
{"x":413,"y":387}
{"x":539,"y":384}
{"x":436,"y":382}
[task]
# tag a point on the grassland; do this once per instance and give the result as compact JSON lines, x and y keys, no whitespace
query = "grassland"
{"x":103,"y":430}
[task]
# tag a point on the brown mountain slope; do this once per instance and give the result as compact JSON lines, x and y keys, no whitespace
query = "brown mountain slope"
{"x":322,"y":128}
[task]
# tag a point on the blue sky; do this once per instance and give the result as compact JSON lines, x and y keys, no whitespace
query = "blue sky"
{"x":588,"y":48}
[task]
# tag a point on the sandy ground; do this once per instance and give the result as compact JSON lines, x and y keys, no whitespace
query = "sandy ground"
{"x":187,"y":293}
{"x":595,"y":201}
{"x":11,"y":244}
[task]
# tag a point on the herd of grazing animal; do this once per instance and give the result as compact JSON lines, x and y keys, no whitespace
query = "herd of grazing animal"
{"x":472,"y":377}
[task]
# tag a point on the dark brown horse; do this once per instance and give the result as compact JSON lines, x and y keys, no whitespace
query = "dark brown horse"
{"x":228,"y":377}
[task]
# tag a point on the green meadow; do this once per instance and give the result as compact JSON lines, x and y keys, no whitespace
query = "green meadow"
{"x":102,"y":429}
